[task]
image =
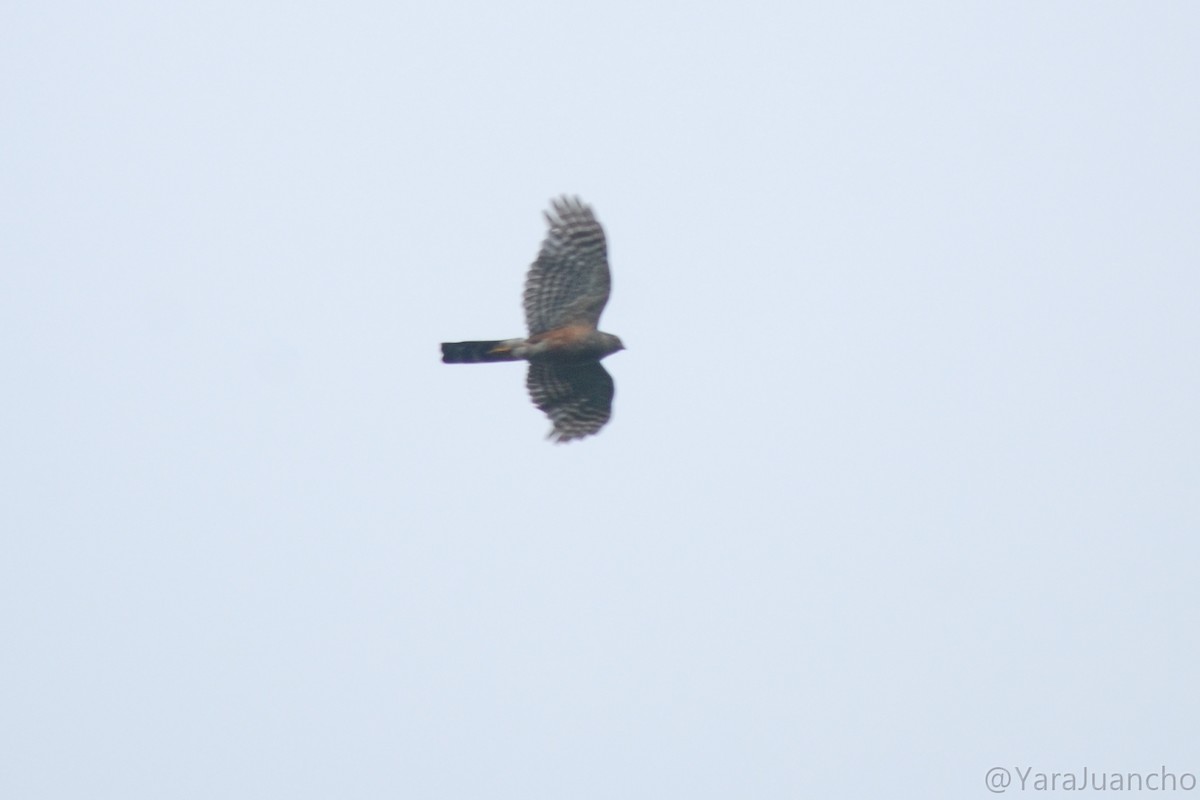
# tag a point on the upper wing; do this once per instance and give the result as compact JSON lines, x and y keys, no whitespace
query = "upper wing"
{"x":576,"y":397}
{"x":569,"y":282}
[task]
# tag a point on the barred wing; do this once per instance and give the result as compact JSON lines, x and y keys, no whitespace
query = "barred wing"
{"x":569,"y":282}
{"x":576,"y":397}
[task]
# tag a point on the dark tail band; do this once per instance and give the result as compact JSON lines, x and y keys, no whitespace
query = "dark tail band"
{"x":475,"y":352}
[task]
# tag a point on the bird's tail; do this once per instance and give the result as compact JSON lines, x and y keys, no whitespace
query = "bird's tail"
{"x":477,"y":352}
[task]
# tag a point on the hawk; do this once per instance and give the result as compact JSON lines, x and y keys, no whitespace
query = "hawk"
{"x":565,"y":291}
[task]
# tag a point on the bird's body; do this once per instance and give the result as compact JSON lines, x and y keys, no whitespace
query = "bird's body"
{"x":563,"y":345}
{"x":565,"y":292}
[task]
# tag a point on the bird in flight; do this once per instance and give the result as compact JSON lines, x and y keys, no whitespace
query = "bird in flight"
{"x":565,"y":291}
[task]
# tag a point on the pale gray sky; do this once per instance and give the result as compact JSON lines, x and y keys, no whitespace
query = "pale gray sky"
{"x":901,"y":482}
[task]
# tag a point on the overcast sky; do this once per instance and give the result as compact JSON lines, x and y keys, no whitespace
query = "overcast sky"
{"x":902,"y":478}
